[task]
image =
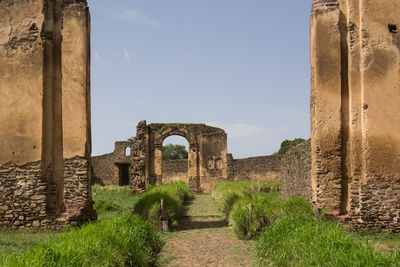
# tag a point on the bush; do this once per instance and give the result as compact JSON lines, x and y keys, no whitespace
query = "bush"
{"x":224,"y":192}
{"x":122,"y":241}
{"x":174,"y":195}
{"x":288,"y":144}
{"x":305,"y":241}
{"x":266,"y":210}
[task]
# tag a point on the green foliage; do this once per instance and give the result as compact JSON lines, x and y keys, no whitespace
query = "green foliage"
{"x":174,"y":195}
{"x":173,"y":152}
{"x":111,"y":201}
{"x":302,"y":240}
{"x":123,"y":241}
{"x":266,"y":209}
{"x":225,"y":193}
{"x":288,"y":144}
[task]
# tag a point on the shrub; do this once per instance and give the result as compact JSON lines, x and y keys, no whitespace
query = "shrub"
{"x":174,"y":195}
{"x":266,"y":210}
{"x":288,"y":144}
{"x":305,"y":241}
{"x":223,"y":192}
{"x":122,"y":241}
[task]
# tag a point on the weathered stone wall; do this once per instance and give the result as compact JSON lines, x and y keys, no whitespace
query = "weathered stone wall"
{"x":45,"y":142}
{"x":355,"y":65}
{"x":265,"y":168}
{"x":296,"y":172}
{"x":106,"y":168}
{"x":174,"y":170}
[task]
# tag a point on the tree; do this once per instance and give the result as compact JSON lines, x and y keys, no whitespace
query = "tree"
{"x":171,"y":151}
{"x":288,"y":144}
{"x":131,"y":139}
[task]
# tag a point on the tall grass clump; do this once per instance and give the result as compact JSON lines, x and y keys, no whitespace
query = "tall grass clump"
{"x":111,"y":201}
{"x":123,"y":241}
{"x":226,"y":193}
{"x":302,"y":240}
{"x":266,"y":209}
{"x":174,"y":195}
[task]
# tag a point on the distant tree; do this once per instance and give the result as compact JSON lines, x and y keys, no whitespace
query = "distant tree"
{"x":287,"y":144}
{"x":171,"y":151}
{"x":131,"y":139}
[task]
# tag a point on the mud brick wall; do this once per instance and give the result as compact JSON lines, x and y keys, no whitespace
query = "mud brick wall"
{"x":296,"y":172}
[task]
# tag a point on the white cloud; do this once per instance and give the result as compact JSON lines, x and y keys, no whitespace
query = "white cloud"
{"x":134,"y":16}
{"x":98,"y":58}
{"x":239,"y":130}
{"x":127,"y":55}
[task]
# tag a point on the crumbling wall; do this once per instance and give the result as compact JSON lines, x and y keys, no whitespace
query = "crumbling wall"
{"x":265,"y":168}
{"x":106,"y":168}
{"x":45,"y":112}
{"x":296,"y":172}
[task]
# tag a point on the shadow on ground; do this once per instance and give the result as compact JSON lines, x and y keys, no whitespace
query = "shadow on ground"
{"x":201,"y":222}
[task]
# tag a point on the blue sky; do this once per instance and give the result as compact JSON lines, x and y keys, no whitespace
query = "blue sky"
{"x":241,"y":65}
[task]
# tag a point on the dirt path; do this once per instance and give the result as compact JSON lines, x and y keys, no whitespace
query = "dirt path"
{"x":204,"y":239}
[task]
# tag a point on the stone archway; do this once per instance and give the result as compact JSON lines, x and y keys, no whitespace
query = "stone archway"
{"x":207,"y":160}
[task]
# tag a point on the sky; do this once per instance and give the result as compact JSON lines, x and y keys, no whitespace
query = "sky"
{"x":241,"y":65}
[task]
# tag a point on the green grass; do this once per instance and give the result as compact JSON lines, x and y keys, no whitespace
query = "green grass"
{"x":122,"y":241}
{"x":266,"y":209}
{"x":111,"y":201}
{"x":226,"y":193}
{"x":306,"y":241}
{"x":14,"y":241}
{"x":174,"y":195}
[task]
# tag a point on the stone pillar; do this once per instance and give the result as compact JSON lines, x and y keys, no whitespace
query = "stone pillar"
{"x":326,"y":100}
{"x":158,"y":163}
{"x":193,"y":167}
{"x":76,"y":106}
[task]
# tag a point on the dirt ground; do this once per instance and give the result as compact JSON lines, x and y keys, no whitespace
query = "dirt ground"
{"x":204,"y":239}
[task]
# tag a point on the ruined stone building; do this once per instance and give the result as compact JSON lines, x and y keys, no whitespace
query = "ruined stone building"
{"x":355,"y":88}
{"x":207,"y":161}
{"x":45,"y":138}
{"x":140,"y":162}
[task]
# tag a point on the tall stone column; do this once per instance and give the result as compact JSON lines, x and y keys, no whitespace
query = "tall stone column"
{"x":326,"y":100}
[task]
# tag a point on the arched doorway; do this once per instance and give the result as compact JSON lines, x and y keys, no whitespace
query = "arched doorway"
{"x":175,"y":162}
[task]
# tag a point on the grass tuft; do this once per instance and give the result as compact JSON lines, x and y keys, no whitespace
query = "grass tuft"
{"x":174,"y":195}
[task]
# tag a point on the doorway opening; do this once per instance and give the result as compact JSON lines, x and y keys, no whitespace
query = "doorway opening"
{"x":123,"y":173}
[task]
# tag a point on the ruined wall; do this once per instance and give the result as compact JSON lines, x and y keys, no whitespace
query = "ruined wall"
{"x":296,"y":172}
{"x":106,"y":168}
{"x":175,"y":170}
{"x":44,"y":109}
{"x":265,"y":168}
{"x":355,"y":56}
